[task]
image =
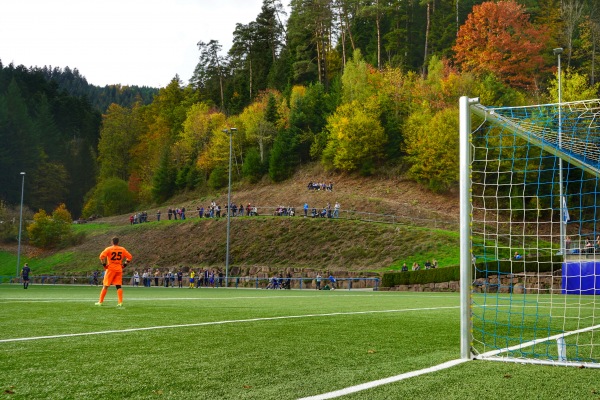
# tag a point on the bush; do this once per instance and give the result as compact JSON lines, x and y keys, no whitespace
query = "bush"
{"x":110,"y":197}
{"x":49,"y":231}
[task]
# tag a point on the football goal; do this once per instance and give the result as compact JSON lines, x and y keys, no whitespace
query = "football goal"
{"x":530,"y":239}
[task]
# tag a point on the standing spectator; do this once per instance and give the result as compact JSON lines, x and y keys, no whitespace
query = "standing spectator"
{"x":220,"y":278}
{"x":211,"y":279}
{"x":136,"y":279}
{"x":158,"y":216}
{"x":206,"y":277}
{"x":131,"y":220}
{"x":182,"y":213}
{"x":169,"y":213}
{"x":192,"y":277}
{"x":156,"y":276}
{"x":95,"y":278}
{"x":114,"y":258}
{"x":145,"y":278}
{"x":241,"y":210}
{"x":166,"y":278}
{"x":318,"y":280}
{"x":218,"y":211}
{"x":329,"y":210}
{"x":336,"y":210}
{"x":25,"y":275}
{"x":180,"y":278}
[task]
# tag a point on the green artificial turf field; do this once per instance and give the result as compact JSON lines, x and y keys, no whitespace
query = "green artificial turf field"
{"x":209,"y":343}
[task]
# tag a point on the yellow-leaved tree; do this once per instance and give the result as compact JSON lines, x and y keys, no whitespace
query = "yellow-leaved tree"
{"x":431,"y":143}
{"x":48,"y":231}
{"x":199,"y":129}
{"x":256,"y":125}
{"x":356,"y":138}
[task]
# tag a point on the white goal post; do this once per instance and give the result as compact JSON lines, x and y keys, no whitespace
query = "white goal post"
{"x":529,"y":239}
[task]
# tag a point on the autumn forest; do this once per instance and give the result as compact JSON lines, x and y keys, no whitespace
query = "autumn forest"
{"x":360,"y":86}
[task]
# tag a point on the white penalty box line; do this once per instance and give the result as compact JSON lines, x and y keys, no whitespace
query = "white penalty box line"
{"x":210,"y":323}
{"x":385,"y":381}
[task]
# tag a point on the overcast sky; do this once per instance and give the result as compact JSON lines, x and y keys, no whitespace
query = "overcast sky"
{"x":128,"y":42}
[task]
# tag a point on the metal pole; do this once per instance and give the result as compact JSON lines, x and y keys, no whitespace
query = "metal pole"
{"x":20,"y":225}
{"x":558,"y":51}
{"x":465,"y":222}
{"x":230,"y":132}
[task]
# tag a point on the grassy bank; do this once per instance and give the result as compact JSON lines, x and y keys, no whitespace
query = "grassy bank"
{"x":276,"y":242}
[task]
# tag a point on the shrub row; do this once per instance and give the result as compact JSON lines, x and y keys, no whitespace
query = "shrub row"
{"x":482,"y":270}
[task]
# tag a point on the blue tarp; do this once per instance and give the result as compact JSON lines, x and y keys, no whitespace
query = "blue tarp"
{"x":581,"y":277}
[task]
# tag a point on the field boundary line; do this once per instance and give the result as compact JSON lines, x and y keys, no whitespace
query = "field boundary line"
{"x":385,"y":381}
{"x":238,"y":321}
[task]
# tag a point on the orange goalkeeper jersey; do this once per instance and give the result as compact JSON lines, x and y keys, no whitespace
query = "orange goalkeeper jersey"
{"x":114,"y":256}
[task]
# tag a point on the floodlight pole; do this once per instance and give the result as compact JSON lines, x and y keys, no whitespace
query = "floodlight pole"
{"x":20,"y":224}
{"x":558,"y":51}
{"x":230,"y":132}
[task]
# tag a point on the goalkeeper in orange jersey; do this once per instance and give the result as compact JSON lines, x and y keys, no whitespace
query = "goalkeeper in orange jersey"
{"x":114,"y":258}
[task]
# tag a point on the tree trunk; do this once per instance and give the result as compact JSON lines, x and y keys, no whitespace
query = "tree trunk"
{"x":250,"y":67}
{"x":457,"y":19}
{"x":318,"y":43}
{"x":343,"y":38}
{"x":427,"y":38}
{"x":378,"y":23}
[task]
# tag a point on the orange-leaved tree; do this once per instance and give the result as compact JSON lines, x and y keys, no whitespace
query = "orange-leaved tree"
{"x":497,"y":37}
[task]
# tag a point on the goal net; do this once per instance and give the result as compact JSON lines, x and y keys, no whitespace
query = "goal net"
{"x":530,"y":240}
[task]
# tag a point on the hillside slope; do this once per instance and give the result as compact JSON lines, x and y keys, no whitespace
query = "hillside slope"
{"x":268,"y":243}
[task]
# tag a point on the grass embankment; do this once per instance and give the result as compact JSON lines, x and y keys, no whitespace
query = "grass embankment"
{"x":275,"y":242}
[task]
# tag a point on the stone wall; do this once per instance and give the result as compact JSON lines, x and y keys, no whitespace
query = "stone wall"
{"x":515,"y":283}
{"x":345,"y":279}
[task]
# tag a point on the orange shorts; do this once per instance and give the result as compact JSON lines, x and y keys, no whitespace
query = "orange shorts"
{"x":112,"y":278}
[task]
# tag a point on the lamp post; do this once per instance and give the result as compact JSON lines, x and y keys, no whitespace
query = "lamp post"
{"x":20,"y":224}
{"x":557,"y":52}
{"x":230,"y":132}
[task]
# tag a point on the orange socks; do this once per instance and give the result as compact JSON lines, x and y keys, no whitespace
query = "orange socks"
{"x":105,"y":290}
{"x":103,"y":294}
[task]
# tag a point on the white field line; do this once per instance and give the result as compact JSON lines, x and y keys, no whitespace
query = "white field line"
{"x":385,"y":381}
{"x":154,"y":299}
{"x":536,"y":341}
{"x":238,"y":321}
